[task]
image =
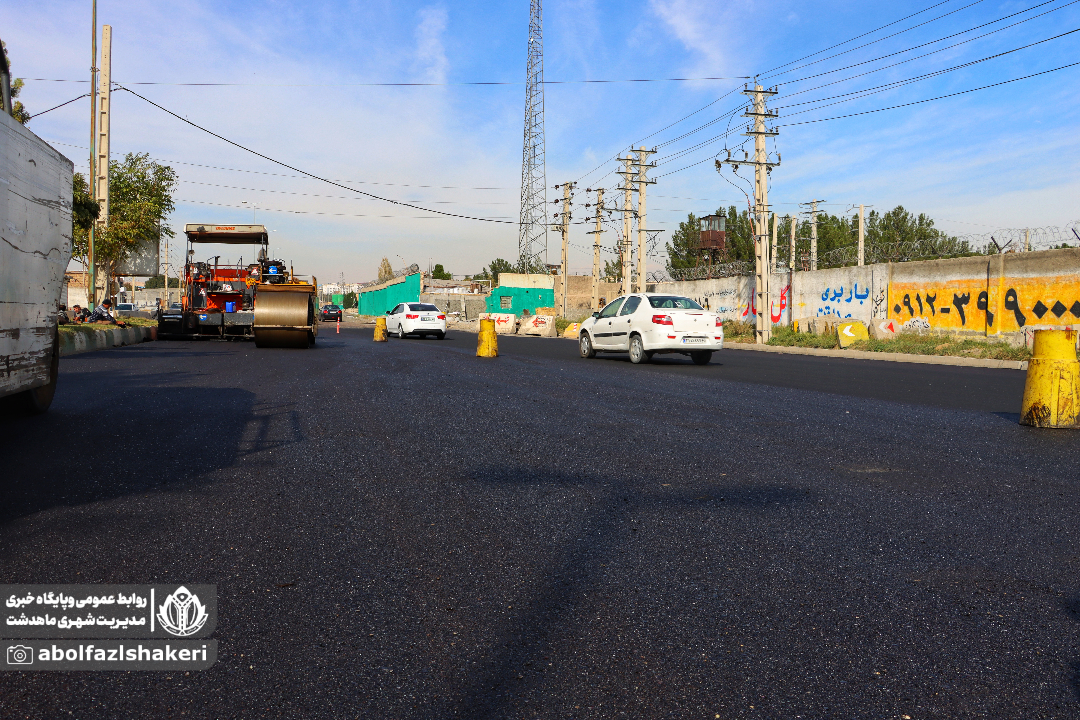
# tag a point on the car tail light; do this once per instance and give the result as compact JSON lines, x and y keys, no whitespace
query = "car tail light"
{"x":411,"y":317}
{"x":719,"y":322}
{"x":442,"y":317}
{"x":662,"y":320}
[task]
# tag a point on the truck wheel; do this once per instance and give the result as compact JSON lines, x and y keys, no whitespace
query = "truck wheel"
{"x":37,"y":400}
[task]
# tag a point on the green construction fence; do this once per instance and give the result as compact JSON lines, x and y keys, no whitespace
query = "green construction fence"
{"x":519,"y":299}
{"x":378,"y":301}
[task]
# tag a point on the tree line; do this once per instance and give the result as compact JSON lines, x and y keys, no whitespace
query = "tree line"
{"x":888,"y":235}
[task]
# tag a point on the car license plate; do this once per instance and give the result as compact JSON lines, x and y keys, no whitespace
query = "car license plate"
{"x":427,"y":319}
{"x":689,"y":340}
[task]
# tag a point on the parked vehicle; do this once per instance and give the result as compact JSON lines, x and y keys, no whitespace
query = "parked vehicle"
{"x":35,"y":223}
{"x":330,"y":313}
{"x":416,"y":319}
{"x":645,"y":324}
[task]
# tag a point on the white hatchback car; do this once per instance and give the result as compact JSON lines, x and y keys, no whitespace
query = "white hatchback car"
{"x":416,"y":319}
{"x":648,"y":323}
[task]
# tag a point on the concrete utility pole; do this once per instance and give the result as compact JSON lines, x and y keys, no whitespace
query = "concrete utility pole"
{"x":642,"y":166}
{"x":101,"y":185}
{"x":791,"y":248}
{"x":1027,"y":240}
{"x":628,"y":187}
{"x":596,"y":251}
{"x":762,"y":167}
{"x":565,"y":227}
{"x":813,"y":232}
{"x":862,"y":236}
{"x":772,"y":255}
{"x":91,"y":270}
{"x":760,"y":221}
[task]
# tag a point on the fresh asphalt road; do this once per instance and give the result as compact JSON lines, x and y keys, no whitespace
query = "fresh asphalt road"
{"x":403,"y":530}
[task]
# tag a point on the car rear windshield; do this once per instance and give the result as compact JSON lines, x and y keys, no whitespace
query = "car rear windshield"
{"x":423,"y":306}
{"x":673,"y":302}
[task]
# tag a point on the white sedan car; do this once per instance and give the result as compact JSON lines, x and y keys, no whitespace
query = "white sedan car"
{"x":416,"y":319}
{"x":648,"y":323}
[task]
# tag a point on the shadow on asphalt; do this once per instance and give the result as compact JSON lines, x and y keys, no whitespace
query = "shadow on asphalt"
{"x":155,"y":437}
{"x":531,"y":636}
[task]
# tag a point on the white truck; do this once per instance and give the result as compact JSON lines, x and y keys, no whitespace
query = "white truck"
{"x":35,"y":247}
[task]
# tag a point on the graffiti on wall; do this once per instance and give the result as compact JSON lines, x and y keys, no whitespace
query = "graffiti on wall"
{"x":836,"y":304}
{"x":1005,"y":305}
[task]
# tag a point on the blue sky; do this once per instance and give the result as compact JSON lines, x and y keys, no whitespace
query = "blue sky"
{"x":1002,"y":157}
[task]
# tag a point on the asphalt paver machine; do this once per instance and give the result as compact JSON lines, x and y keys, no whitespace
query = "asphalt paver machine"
{"x":263,"y":300}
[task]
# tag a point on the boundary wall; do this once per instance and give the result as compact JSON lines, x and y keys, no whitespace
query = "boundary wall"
{"x":523,"y":292}
{"x":377,"y":299}
{"x":996,"y":295}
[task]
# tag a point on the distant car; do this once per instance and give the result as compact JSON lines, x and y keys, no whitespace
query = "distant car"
{"x":330,"y":313}
{"x":171,"y":320}
{"x":126,"y":308}
{"x":416,"y":319}
{"x":645,"y":324}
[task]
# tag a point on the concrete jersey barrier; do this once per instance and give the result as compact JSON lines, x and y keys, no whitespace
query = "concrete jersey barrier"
{"x":540,"y":325}
{"x":505,"y":323}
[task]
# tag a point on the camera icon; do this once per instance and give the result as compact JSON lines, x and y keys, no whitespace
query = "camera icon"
{"x":20,"y":655}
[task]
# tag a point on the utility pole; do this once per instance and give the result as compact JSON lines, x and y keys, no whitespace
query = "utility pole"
{"x":628,"y":187}
{"x":596,"y":251}
{"x":642,"y":166}
{"x":772,"y":255}
{"x":565,"y":227}
{"x":91,"y":270}
{"x":100,"y":187}
{"x":813,"y":232}
{"x":1027,"y":240}
{"x":762,"y":167}
{"x":862,"y":236}
{"x":791,"y":248}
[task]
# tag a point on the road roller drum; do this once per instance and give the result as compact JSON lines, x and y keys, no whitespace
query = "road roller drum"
{"x":285,"y":316}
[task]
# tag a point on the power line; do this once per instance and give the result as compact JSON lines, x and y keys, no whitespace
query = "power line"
{"x":407,"y":84}
{"x":306,"y":177}
{"x":328,"y":197}
{"x":940,"y":97}
{"x":916,"y":47}
{"x":59,"y":106}
{"x":312,"y":175}
{"x":872,"y":42}
{"x":871,"y":32}
{"x":882,"y":88}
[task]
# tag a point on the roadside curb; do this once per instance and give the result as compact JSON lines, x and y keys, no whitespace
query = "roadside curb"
{"x":80,"y":342}
{"x":888,"y":357}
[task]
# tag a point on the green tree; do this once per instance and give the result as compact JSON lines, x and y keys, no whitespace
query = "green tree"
{"x":350,"y":300}
{"x":494,"y":269}
{"x":613,"y":270}
{"x":386,"y":272}
{"x":19,"y":111}
{"x":439,"y":273}
{"x":84,"y":209}
{"x":157,"y":282}
{"x":140,"y":201}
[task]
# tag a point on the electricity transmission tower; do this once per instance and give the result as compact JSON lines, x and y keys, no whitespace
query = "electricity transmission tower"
{"x":532,"y":232}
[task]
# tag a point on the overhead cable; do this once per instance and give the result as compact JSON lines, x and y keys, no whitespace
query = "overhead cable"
{"x":312,"y":175}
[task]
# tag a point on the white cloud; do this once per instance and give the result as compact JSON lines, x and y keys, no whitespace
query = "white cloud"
{"x":430,"y":54}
